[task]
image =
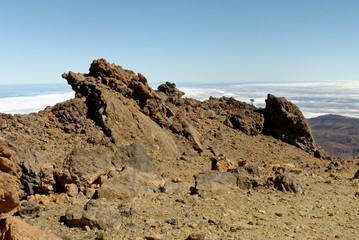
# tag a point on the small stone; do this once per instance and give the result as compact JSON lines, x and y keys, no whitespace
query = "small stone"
{"x":172,"y":188}
{"x":356,"y":175}
{"x":279,"y":214}
{"x":196,"y":236}
{"x":153,"y":223}
{"x":235,"y":228}
{"x":71,"y":189}
{"x":213,"y":221}
{"x":128,"y":210}
{"x":111,"y":174}
{"x":29,"y":208}
{"x":154,"y":237}
{"x":90,"y":192}
{"x":172,"y":221}
{"x":204,"y":223}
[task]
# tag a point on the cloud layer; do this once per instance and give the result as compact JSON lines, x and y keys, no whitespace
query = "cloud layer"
{"x":28,"y":104}
{"x":314,"y":99}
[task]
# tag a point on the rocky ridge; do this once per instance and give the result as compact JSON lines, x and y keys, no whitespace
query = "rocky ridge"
{"x":120,"y":142}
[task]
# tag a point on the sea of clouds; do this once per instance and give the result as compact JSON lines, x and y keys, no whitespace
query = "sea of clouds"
{"x":314,"y":99}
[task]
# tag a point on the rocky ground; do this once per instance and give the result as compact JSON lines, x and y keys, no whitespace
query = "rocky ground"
{"x":327,"y":209}
{"x":124,"y":161}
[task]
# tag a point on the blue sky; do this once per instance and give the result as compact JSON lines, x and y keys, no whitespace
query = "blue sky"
{"x":184,"y":41}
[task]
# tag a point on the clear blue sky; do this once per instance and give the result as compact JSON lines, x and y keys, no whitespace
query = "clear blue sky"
{"x":183,"y":41}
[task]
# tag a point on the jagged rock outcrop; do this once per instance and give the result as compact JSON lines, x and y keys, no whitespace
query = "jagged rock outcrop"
{"x":106,"y":90}
{"x":10,"y":173}
{"x":286,"y":122}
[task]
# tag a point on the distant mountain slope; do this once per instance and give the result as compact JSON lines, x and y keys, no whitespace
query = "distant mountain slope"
{"x":337,"y":135}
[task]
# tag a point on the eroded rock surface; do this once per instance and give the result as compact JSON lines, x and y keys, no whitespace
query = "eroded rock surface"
{"x":286,"y":122}
{"x":10,"y":173}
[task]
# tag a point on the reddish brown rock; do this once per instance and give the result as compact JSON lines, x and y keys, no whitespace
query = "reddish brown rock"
{"x":248,"y":121}
{"x":12,"y":228}
{"x":223,"y":164}
{"x":9,"y":177}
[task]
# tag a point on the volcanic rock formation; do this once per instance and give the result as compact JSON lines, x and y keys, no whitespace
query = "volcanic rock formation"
{"x":119,"y":138}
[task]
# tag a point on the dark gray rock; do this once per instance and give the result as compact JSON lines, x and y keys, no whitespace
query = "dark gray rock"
{"x":29,"y":209}
{"x":248,"y":176}
{"x":133,"y":156}
{"x":249,"y":170}
{"x":284,"y":121}
{"x":356,"y":175}
{"x":288,"y":182}
{"x":172,"y":221}
{"x":30,"y":164}
{"x":128,"y":210}
{"x":196,"y":236}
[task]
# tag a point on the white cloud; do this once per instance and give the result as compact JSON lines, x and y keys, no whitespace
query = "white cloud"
{"x":314,"y":99}
{"x":27,"y":104}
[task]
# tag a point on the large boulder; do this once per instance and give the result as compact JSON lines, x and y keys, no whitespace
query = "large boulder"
{"x":214,"y":182}
{"x":286,"y":122}
{"x":84,"y":166}
{"x":10,"y":173}
{"x":12,"y":228}
{"x":124,"y":186}
{"x":95,"y":215}
{"x":133,"y":156}
{"x":288,"y":182}
{"x":248,"y":176}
